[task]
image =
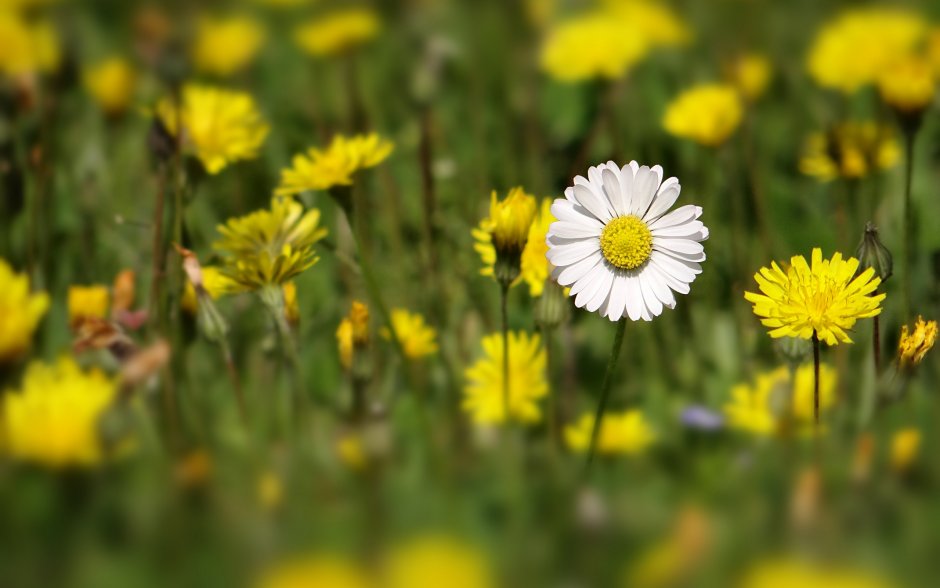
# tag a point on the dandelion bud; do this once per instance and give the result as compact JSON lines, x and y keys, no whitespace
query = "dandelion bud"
{"x":508,"y":224}
{"x":872,"y":253}
{"x":551,"y":308}
{"x":915,"y":343}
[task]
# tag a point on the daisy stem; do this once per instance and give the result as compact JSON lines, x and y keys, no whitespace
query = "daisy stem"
{"x":504,"y":313}
{"x":605,"y":391}
{"x":816,"y":380}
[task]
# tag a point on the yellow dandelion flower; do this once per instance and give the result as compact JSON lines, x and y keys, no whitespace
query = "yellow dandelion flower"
{"x":905,"y":445}
{"x":28,"y":47}
{"x":483,"y":393}
{"x":825,"y":298}
{"x":707,"y":114}
{"x":269,"y":247}
{"x":510,"y":220}
{"x":843,"y":56}
{"x":338,"y":32}
{"x":652,"y":20}
{"x":750,"y":74}
{"x":593,"y":45}
{"x":216,"y":284}
{"x":417,"y":338}
{"x":626,"y":433}
{"x":220,"y":126}
{"x":20,"y":313}
{"x":915,"y":343}
{"x":850,"y":150}
{"x":433,"y":561}
{"x":534,"y":266}
{"x":88,"y":302}
{"x":322,"y":169}
{"x":789,"y":571}
{"x":224,"y":46}
{"x":908,"y":85}
{"x":317,"y":571}
{"x":111,"y":84}
{"x":53,"y":419}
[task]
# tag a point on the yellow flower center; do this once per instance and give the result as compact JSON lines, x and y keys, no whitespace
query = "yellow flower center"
{"x":626,"y":242}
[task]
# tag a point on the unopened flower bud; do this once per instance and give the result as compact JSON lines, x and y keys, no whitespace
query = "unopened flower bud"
{"x":872,"y":253}
{"x":552,"y":307}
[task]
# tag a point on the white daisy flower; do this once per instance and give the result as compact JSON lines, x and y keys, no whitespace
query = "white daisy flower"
{"x":617,"y":248}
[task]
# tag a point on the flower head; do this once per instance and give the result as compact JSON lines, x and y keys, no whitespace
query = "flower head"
{"x":534,"y":266}
{"x":617,"y":245}
{"x":434,"y":561}
{"x":790,"y":571}
{"x":338,"y":32}
{"x":850,"y":150}
{"x":593,"y":45}
{"x":214,"y":282}
{"x":654,"y":21}
{"x":417,"y":338}
{"x":707,"y":114}
{"x":223,"y":46}
{"x":111,"y":83}
{"x":483,"y":394}
{"x":825,"y":298}
{"x":843,"y":56}
{"x":269,"y":247}
{"x":909,"y":85}
{"x":28,"y":47}
{"x":53,"y":419}
{"x":750,"y":74}
{"x":88,"y":302}
{"x":219,"y":126}
{"x":20,"y":313}
{"x":916,"y":342}
{"x":627,"y":433}
{"x":323,"y":169}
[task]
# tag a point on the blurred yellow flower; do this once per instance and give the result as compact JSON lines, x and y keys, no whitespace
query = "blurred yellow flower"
{"x":291,"y":308}
{"x":825,"y":299}
{"x":707,"y":114}
{"x":908,"y":85}
{"x":220,"y":126}
{"x":750,"y":74}
{"x":53,"y":419}
{"x":319,"y":571}
{"x":20,"y":313}
{"x":789,"y":572}
{"x":216,"y":284}
{"x":353,"y":333}
{"x":434,"y":562}
{"x":905,"y":446}
{"x":844,"y":56}
{"x":932,"y":49}
{"x":915,"y":343}
{"x":534,"y":267}
{"x":850,"y":150}
{"x":334,"y":166}
{"x":417,"y":337}
{"x":28,"y":46}
{"x":627,"y":433}
{"x":111,"y":84}
{"x":592,"y":45}
{"x":269,"y":247}
{"x":224,"y":46}
{"x":350,"y":450}
{"x":483,"y":393}
{"x":777,"y":398}
{"x":88,"y":302}
{"x":338,"y":32}
{"x":652,"y":20}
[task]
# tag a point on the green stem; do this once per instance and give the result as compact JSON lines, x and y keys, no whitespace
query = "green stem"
{"x":908,"y":230}
{"x":504,"y":314}
{"x":816,"y":380}
{"x":605,"y":391}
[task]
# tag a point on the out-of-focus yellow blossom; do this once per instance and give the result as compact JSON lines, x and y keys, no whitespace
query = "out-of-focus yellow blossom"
{"x":534,"y":267}
{"x":88,"y":302}
{"x":322,"y":169}
{"x":750,"y":74}
{"x":319,"y":571}
{"x":707,"y":114}
{"x":790,"y":572}
{"x":483,"y":393}
{"x":417,"y":338}
{"x":344,"y":342}
{"x":219,"y":126}
{"x":26,"y":46}
{"x":652,"y":20}
{"x":908,"y":85}
{"x":844,"y":56}
{"x":53,"y":419}
{"x":915,"y":343}
{"x":777,"y":398}
{"x":932,"y":49}
{"x":338,"y":32}
{"x":291,"y":308}
{"x":436,"y":561}
{"x":20,"y":313}
{"x":825,"y":298}
{"x":269,"y":247}
{"x":850,"y":150}
{"x":627,"y":433}
{"x":216,"y":284}
{"x":540,"y":12}
{"x":593,"y":45}
{"x":270,"y":490}
{"x":351,"y":452}
{"x":353,"y":333}
{"x":224,"y":46}
{"x":905,"y":445}
{"x":111,"y":84}
{"x":674,"y":560}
